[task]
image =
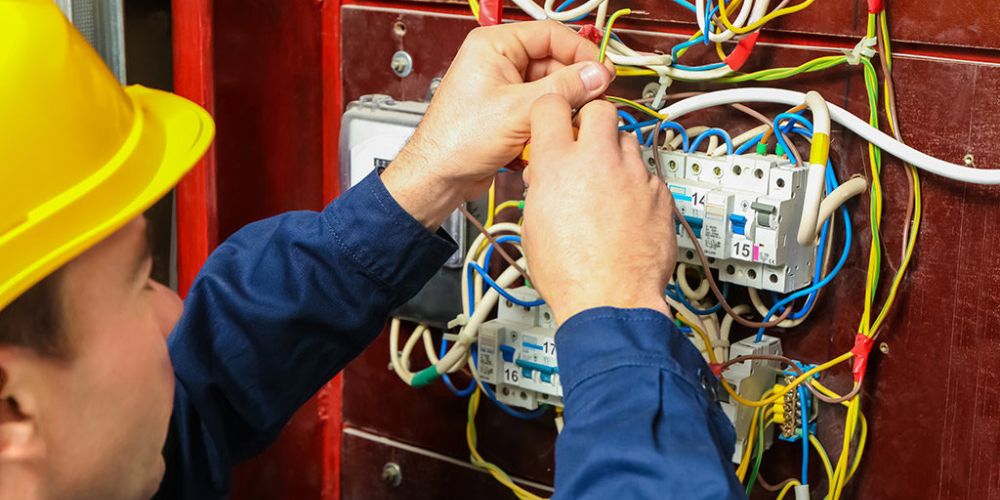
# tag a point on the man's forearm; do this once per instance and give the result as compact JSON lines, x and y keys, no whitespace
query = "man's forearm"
{"x":640,"y":407}
{"x":278,"y":309}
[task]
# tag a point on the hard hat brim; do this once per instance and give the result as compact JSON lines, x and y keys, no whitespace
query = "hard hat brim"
{"x":174,"y":134}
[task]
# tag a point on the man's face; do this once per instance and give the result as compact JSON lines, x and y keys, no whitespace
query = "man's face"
{"x":100,"y":417}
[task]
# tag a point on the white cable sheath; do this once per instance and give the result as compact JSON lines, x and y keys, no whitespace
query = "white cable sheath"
{"x":816,"y":177}
{"x":566,"y":15}
{"x":531,"y":9}
{"x":725,"y":35}
{"x":842,"y":116}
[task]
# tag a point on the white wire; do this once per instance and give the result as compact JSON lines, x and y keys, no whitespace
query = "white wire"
{"x":573,"y":13}
{"x":740,"y":20}
{"x":842,"y":116}
{"x":531,"y":9}
{"x":470,"y":331}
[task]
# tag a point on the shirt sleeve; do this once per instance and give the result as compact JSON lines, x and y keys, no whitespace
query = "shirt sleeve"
{"x":642,"y":420}
{"x":278,"y":309}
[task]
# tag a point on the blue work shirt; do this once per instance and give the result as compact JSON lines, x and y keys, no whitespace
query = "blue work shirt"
{"x":285,"y":303}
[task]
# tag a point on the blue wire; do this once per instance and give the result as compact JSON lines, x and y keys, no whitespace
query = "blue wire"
{"x":789,"y":126}
{"x":676,"y":127}
{"x":566,"y":4}
{"x":749,"y":144}
{"x":699,"y":68}
{"x":679,"y":296}
{"x":833,"y":273}
{"x":686,"y":5}
{"x":805,"y":434}
{"x":718,"y":132}
{"x":631,"y":121}
{"x":447,"y":380}
{"x":677,"y":48}
{"x":637,"y":126}
{"x":708,"y":23}
{"x":503,"y":293}
{"x":523,"y":415}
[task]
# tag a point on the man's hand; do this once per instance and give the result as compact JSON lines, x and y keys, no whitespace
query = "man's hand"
{"x":478,"y":120}
{"x":597,"y":226}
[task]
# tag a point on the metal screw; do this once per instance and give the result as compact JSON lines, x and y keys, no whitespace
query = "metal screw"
{"x":435,"y":83}
{"x":650,"y":90}
{"x":402,"y":64}
{"x":392,"y":474}
{"x":970,"y":161}
{"x":884,"y":348}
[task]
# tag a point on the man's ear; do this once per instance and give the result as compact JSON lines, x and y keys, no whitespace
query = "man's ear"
{"x":19,"y":437}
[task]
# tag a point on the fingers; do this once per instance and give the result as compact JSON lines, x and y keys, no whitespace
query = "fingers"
{"x":579,"y":83}
{"x":541,"y":39}
{"x":630,"y":145}
{"x":599,"y":125}
{"x":551,"y":129}
{"x":551,"y":122}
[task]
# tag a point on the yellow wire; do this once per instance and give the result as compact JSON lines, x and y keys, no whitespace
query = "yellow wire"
{"x":632,"y":104}
{"x":478,"y":461}
{"x":491,"y":199}
{"x":762,"y":21}
{"x":862,"y":439}
{"x":788,"y":487}
{"x":917,"y":209}
{"x":633,"y":71}
{"x":704,"y":339}
{"x":607,"y":32}
{"x":818,"y":446}
{"x":741,"y":471}
{"x":474,"y":7}
{"x":784,"y":390}
{"x":505,"y":205}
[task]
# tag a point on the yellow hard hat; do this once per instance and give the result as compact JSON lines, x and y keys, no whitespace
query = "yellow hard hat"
{"x":80,"y":155}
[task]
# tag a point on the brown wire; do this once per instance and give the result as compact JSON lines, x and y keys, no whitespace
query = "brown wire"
{"x":891,"y":100}
{"x":753,"y":113}
{"x":503,"y":253}
{"x":773,"y":488}
{"x":701,"y":253}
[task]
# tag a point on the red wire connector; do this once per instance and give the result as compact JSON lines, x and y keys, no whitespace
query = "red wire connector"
{"x":862,"y":347}
{"x":741,"y":53}
{"x":876,"y":6}
{"x":490,"y":12}
{"x":716,"y":369}
{"x":590,"y":32}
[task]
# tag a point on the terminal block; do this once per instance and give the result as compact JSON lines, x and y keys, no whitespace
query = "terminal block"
{"x":745,"y":212}
{"x":750,"y":379}
{"x":517,"y":353}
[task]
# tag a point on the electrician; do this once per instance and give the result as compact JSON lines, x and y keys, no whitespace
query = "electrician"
{"x":97,"y":401}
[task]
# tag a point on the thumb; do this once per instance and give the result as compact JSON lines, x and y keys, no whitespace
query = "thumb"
{"x":579,"y":83}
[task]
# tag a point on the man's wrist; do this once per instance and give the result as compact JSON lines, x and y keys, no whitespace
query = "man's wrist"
{"x":426,"y":197}
{"x":571,"y":308}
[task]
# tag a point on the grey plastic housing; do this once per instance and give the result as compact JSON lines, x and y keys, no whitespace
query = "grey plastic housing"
{"x":372,"y":131}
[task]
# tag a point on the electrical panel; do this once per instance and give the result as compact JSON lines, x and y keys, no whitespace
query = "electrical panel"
{"x":745,"y":211}
{"x":517,"y":353}
{"x":373,"y":131}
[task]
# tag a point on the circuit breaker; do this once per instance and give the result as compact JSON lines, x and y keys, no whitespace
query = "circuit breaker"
{"x":517,"y":353}
{"x":750,"y":379}
{"x":373,"y":131}
{"x":745,"y":211}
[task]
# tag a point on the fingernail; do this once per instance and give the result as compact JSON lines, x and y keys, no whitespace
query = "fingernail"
{"x":592,"y":76}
